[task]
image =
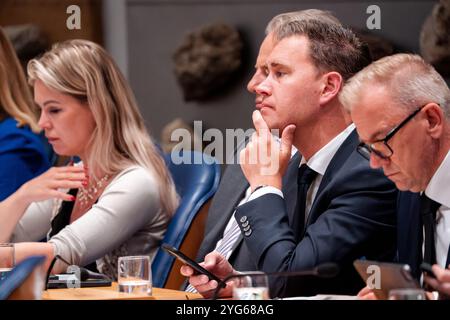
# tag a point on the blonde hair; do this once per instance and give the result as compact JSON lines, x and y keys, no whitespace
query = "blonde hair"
{"x":411,"y":82}
{"x":15,"y":94}
{"x":85,"y":71}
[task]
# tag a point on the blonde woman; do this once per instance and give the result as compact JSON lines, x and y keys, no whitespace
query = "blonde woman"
{"x":22,"y":150}
{"x":123,"y":208}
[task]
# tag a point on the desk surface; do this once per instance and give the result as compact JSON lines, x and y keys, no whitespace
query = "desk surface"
{"x":112,"y":293}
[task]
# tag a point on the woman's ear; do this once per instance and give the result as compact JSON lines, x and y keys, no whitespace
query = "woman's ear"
{"x":331,"y":85}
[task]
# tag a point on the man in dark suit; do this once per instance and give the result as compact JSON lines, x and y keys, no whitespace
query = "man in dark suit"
{"x":348,"y":210}
{"x":406,"y":131}
{"x":234,"y":187}
{"x":231,"y":191}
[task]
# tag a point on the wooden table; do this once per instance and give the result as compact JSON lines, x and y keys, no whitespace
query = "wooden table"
{"x":112,"y":293}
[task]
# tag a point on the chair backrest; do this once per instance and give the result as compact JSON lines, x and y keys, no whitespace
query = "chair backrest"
{"x":19,"y":276}
{"x":196,"y":180}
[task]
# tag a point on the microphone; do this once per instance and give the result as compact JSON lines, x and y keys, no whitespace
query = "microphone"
{"x":80,"y":273}
{"x":324,"y":270}
{"x":84,"y":274}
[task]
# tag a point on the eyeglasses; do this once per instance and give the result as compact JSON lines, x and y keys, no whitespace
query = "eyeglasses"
{"x":380,"y":147}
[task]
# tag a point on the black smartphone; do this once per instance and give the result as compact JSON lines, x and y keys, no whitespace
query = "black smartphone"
{"x":194,"y":265}
{"x":426,"y":268}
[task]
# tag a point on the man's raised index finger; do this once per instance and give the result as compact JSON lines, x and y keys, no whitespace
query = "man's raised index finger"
{"x":259,"y":122}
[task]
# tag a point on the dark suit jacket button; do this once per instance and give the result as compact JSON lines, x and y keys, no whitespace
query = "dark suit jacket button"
{"x":245,"y":224}
{"x":248,"y":233}
{"x":246,"y":228}
{"x":243,"y":219}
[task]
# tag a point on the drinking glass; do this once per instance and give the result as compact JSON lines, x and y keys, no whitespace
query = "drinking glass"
{"x":407,"y":294}
{"x":7,"y":261}
{"x":134,"y":275}
{"x":251,"y":287}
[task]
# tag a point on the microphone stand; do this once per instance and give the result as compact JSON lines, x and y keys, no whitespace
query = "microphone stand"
{"x":325,"y":270}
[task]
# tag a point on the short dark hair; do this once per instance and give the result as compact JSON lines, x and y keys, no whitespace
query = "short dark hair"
{"x":332,"y":46}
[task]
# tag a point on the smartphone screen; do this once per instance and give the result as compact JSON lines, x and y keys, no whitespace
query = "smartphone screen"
{"x":194,"y":265}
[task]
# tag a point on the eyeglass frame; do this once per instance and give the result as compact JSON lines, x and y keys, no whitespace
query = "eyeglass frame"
{"x":366,"y":150}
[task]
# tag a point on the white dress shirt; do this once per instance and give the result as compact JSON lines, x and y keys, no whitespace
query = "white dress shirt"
{"x":439,"y":190}
{"x":319,"y":163}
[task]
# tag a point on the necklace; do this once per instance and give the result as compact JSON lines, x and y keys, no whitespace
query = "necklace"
{"x":85,"y":195}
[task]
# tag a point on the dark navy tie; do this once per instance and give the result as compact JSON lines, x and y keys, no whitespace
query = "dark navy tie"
{"x":304,"y":179}
{"x":428,"y":210}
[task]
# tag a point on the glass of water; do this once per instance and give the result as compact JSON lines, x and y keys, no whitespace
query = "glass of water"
{"x":135,"y":275}
{"x":252,"y":286}
{"x":7,"y":261}
{"x":407,"y":294}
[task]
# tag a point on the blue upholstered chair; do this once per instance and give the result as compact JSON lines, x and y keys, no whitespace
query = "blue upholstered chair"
{"x":196,"y":183}
{"x":17,"y":277}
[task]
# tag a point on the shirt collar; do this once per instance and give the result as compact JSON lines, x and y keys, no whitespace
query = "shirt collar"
{"x":438,"y":188}
{"x":322,"y":158}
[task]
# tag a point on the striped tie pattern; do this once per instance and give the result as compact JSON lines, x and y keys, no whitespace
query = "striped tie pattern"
{"x":229,"y":239}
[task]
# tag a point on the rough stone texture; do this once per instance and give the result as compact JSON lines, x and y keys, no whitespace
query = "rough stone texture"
{"x":207,"y":60}
{"x":190,"y":142}
{"x":378,"y":46}
{"x":435,"y":38}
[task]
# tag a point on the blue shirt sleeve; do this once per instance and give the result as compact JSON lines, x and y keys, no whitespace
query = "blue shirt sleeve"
{"x":22,"y":157}
{"x":14,"y":172}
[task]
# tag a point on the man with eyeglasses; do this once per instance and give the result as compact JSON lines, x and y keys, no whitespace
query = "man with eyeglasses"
{"x":401,"y":108}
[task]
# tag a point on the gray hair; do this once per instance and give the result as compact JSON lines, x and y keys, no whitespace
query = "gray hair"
{"x":411,"y":83}
{"x":309,"y":14}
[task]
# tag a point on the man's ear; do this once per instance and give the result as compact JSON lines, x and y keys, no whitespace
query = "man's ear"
{"x":331,"y":85}
{"x":435,"y":120}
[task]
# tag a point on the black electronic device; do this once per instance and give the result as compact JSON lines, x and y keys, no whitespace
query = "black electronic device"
{"x":426,"y":268}
{"x":385,"y":276}
{"x":194,"y":265}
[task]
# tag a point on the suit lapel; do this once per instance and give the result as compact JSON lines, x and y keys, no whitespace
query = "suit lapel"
{"x":410,"y":230}
{"x":239,"y":181}
{"x":233,"y":191}
{"x":344,"y":151}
